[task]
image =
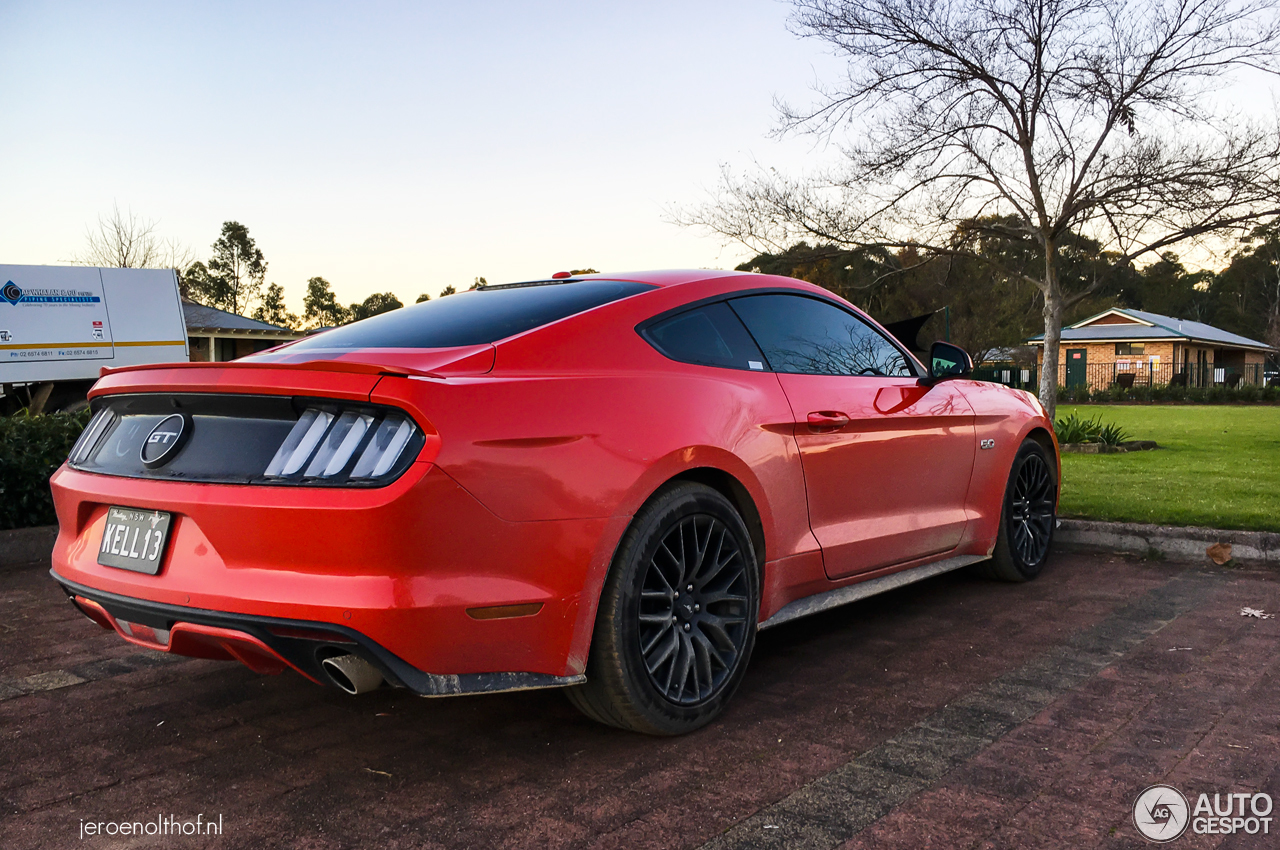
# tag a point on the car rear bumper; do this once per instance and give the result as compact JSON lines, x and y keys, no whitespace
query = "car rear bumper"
{"x":272,"y":644}
{"x":431,"y":586}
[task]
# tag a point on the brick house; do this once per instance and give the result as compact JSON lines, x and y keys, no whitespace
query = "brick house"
{"x":1123,"y":347}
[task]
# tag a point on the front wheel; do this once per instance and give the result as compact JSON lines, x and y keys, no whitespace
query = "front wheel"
{"x":677,"y":617}
{"x":1027,"y":517}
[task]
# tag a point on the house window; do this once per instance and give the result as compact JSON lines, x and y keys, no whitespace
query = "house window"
{"x":1128,"y":348}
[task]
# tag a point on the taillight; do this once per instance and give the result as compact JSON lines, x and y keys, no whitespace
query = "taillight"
{"x":93,"y":432}
{"x":322,"y":445}
{"x":253,"y":439}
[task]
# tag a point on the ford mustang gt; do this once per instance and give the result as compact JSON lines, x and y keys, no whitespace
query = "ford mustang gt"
{"x":606,"y":483}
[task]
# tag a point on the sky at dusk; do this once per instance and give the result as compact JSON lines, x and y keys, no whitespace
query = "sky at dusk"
{"x":401,"y":147}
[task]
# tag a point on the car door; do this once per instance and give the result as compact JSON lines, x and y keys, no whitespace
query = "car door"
{"x":886,"y":461}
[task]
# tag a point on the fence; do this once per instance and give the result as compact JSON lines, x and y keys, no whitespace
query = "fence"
{"x":1019,"y":377}
{"x":1101,"y":376}
{"x":1139,"y":373}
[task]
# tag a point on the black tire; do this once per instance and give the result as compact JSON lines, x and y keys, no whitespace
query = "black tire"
{"x":665,"y":660}
{"x":1028,"y":516}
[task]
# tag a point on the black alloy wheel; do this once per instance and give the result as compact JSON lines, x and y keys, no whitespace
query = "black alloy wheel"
{"x":1027,"y":517}
{"x":693,"y":610}
{"x":677,"y":617}
{"x":1031,"y":510}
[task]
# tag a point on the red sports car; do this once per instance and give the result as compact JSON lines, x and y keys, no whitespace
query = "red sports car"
{"x":607,"y":483}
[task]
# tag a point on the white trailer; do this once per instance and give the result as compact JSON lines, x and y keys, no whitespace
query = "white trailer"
{"x":59,"y":325}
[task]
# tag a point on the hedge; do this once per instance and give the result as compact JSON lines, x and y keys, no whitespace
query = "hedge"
{"x":1248,"y":393}
{"x":31,"y":448}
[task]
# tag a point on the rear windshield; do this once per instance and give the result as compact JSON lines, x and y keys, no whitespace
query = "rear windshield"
{"x":475,"y":317}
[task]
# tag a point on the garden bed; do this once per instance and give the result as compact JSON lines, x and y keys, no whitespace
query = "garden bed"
{"x":1104,"y":449}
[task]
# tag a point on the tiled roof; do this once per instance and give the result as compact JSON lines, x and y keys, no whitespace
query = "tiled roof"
{"x":1163,"y":327}
{"x":200,"y":317}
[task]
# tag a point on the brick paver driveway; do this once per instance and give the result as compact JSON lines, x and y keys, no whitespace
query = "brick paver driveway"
{"x":954,"y":713}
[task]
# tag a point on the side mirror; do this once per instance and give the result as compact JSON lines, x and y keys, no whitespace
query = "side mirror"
{"x":947,"y":361}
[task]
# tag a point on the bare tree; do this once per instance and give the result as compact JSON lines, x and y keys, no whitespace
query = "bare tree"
{"x":122,"y":240}
{"x":1052,"y":123}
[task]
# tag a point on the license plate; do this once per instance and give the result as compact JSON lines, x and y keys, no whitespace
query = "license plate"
{"x":134,"y":539}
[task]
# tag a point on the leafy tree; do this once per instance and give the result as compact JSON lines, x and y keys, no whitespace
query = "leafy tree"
{"x":320,"y":307}
{"x":379,"y":302}
{"x":196,"y":284}
{"x":236,"y":269}
{"x":423,"y":297}
{"x":479,"y":282}
{"x":1168,"y":288}
{"x":448,"y":290}
{"x":1246,"y":295}
{"x":986,"y":312}
{"x":1076,"y":127}
{"x":272,"y":309}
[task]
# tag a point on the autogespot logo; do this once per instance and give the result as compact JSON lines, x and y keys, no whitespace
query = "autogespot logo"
{"x":11,"y":292}
{"x":1160,"y":813}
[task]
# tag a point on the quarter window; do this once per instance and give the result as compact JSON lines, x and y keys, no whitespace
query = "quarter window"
{"x":709,"y":336}
{"x":810,"y":336}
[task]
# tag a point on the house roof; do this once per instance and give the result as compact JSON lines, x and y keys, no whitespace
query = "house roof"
{"x":201,"y":318}
{"x":1141,"y":325}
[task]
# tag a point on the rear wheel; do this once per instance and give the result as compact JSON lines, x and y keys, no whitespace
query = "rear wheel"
{"x":677,"y":617}
{"x":1027,"y":518}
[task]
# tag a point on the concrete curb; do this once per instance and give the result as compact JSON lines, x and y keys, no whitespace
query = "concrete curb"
{"x":23,"y":545}
{"x":1170,"y":541}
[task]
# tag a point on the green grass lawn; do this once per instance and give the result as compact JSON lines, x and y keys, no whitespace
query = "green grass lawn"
{"x":1217,"y":465}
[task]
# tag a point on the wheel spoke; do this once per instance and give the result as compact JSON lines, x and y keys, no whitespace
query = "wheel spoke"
{"x":703,"y":655}
{"x":655,"y":660}
{"x":683,"y":664}
{"x":715,"y":629}
{"x":658,"y":634}
{"x":716,"y":596}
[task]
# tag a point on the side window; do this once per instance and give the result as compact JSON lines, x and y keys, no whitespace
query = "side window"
{"x":814,"y":337}
{"x":708,"y":336}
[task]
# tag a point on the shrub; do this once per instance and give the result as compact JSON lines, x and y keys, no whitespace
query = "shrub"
{"x":1245,"y":394}
{"x":1111,"y":434}
{"x":1073,"y":429}
{"x":31,"y":448}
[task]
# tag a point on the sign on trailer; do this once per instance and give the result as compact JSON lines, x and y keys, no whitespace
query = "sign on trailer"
{"x":61,"y":323}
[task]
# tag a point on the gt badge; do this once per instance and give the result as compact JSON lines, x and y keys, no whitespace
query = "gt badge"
{"x":165,"y":440}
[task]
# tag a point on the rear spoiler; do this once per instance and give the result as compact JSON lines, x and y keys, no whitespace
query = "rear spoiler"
{"x":308,"y":365}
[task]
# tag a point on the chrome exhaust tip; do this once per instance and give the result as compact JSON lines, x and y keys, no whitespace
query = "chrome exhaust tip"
{"x":352,"y":673}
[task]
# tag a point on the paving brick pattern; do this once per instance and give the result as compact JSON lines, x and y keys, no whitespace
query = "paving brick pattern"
{"x":972,"y":714}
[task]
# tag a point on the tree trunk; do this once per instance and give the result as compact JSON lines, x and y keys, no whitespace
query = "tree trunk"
{"x":1052,"y":344}
{"x":39,"y":398}
{"x":1052,"y":332}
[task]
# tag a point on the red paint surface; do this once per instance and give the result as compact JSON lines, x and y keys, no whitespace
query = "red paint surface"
{"x":539,"y":450}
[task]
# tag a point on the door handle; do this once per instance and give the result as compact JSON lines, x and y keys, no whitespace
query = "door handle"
{"x":827,"y":420}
